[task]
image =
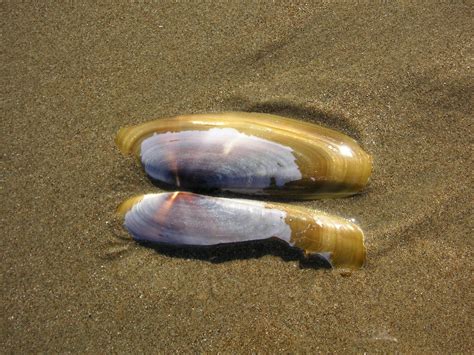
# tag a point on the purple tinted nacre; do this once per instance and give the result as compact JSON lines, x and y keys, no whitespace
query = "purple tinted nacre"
{"x":218,"y":158}
{"x":191,"y":219}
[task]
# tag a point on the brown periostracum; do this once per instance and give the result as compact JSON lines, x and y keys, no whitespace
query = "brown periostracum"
{"x":248,"y":153}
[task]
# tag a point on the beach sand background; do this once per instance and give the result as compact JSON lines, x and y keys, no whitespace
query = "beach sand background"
{"x":394,"y":75}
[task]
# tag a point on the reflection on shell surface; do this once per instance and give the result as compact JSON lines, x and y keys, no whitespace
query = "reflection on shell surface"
{"x":183,"y":218}
{"x":248,"y":153}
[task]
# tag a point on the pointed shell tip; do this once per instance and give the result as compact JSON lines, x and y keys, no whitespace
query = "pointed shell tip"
{"x":126,"y":205}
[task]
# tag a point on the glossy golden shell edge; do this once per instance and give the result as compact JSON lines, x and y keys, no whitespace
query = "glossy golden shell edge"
{"x":315,"y":232}
{"x":126,"y":205}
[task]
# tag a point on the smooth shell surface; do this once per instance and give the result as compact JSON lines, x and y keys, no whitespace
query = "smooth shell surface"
{"x":248,"y":153}
{"x":184,"y":218}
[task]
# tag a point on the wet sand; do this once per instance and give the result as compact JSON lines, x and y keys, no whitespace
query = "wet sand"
{"x":394,"y":76}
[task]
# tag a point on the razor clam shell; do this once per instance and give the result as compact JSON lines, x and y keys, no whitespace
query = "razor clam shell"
{"x":248,"y":153}
{"x":184,"y":218}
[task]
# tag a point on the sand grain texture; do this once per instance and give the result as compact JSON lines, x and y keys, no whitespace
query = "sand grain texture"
{"x":395,"y":76}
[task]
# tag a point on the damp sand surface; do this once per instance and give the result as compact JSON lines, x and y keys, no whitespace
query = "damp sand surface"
{"x":395,"y":76}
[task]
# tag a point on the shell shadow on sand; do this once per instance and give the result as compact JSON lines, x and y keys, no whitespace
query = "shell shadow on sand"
{"x":287,"y":108}
{"x":121,"y":244}
{"x":240,"y":251}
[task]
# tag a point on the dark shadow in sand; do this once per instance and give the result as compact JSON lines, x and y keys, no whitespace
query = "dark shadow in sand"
{"x":240,"y":251}
{"x":290,"y":109}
